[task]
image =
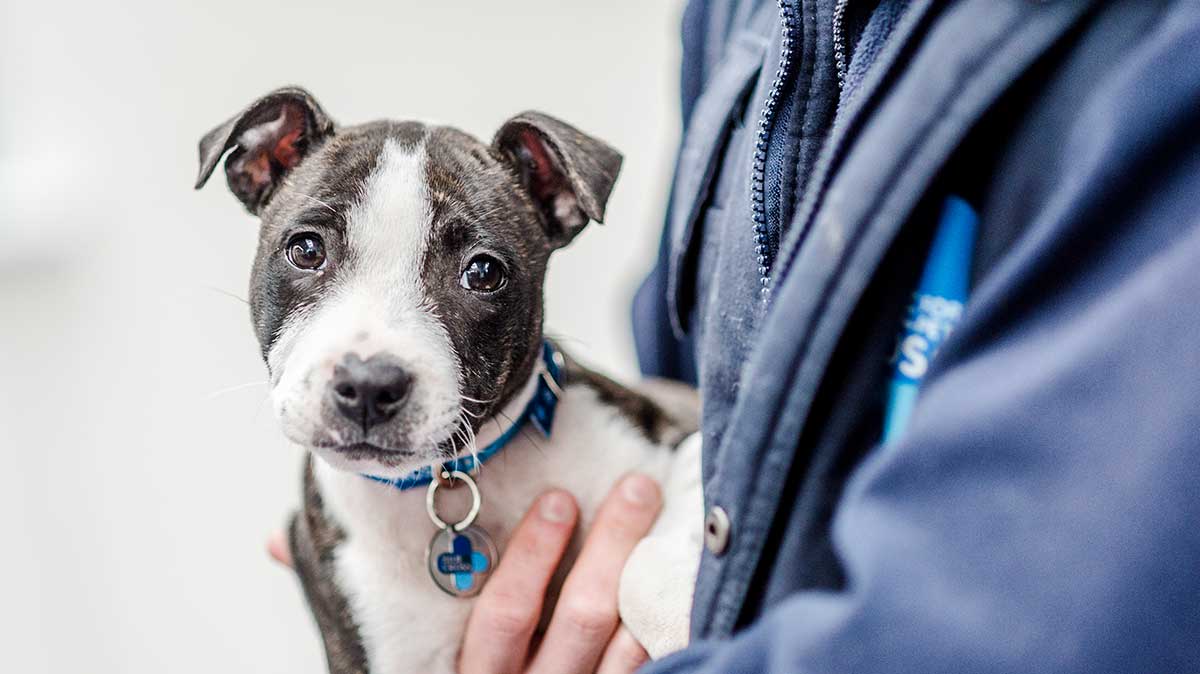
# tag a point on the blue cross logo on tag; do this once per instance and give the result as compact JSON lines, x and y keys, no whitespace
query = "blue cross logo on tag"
{"x":464,"y":562}
{"x":460,"y":562}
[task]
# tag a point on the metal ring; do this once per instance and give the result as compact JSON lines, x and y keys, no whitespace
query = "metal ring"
{"x":476,"y":501}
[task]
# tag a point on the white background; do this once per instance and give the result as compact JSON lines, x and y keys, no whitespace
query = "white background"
{"x":134,"y":496}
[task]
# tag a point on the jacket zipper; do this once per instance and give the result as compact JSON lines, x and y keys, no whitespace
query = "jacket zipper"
{"x":762,"y":239}
{"x":840,"y":49}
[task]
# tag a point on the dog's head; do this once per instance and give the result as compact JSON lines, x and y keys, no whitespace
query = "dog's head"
{"x":397,"y":289}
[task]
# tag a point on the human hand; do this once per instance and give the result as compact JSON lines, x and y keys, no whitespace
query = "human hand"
{"x":584,"y":634}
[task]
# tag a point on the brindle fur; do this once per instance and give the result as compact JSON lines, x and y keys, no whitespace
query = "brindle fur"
{"x":314,"y":538}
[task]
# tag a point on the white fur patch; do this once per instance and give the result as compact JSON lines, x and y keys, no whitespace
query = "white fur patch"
{"x":378,"y":305}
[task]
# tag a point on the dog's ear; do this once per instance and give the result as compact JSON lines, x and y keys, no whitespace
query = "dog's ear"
{"x":269,"y":138}
{"x":568,"y":173}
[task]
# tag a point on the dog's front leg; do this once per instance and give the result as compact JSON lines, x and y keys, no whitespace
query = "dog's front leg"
{"x":657,"y":583}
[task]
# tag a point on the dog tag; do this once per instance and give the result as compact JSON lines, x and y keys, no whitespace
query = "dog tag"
{"x":461,"y":561}
{"x":460,"y":556}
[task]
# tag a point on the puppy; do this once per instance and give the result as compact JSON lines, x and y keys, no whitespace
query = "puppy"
{"x":397,"y":298}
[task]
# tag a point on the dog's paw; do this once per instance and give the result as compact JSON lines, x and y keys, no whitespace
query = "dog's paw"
{"x":655,"y":597}
{"x":659,"y":579}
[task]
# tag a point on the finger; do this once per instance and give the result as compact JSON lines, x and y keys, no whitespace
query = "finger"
{"x":277,"y":547}
{"x":510,"y":606}
{"x":623,"y":655}
{"x":586,"y":614}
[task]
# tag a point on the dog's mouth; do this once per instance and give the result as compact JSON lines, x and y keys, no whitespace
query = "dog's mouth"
{"x":366,"y":451}
{"x":363,"y":451}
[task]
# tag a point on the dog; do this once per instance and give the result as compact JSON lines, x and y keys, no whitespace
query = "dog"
{"x":397,"y":299}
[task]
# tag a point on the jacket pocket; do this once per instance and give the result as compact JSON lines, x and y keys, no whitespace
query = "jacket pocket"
{"x":704,"y":144}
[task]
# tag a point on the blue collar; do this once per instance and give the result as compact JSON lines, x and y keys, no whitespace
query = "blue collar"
{"x":539,"y":411}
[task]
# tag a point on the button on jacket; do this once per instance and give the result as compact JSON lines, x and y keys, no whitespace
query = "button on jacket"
{"x":1040,"y":511}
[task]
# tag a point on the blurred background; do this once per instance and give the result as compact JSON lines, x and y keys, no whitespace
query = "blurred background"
{"x":142,"y":469}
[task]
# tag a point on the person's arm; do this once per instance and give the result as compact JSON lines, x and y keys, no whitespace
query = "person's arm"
{"x":1042,"y":511}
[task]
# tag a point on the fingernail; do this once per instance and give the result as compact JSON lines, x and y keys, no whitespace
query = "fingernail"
{"x":640,"y":490}
{"x":555,"y":507}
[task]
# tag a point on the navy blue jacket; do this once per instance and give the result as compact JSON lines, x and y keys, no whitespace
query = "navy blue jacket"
{"x":1042,"y":511}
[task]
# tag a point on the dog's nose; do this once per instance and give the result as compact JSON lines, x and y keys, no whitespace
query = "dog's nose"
{"x":369,"y":391}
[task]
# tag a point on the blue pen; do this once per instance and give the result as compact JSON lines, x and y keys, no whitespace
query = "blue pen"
{"x":936,"y":309}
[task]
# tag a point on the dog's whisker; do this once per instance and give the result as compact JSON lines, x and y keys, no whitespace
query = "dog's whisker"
{"x":468,"y":431}
{"x":533,"y":440}
{"x":450,"y":446}
{"x":468,"y":438}
{"x":524,"y":431}
{"x":231,"y":389}
{"x":226,"y":293}
{"x":472,"y":441}
{"x":464,"y":435}
{"x":461,"y":431}
{"x":470,"y":414}
{"x":327,"y":206}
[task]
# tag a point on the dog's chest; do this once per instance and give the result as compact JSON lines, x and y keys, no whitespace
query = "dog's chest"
{"x":405,"y":622}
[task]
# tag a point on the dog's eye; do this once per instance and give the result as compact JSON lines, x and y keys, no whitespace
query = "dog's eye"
{"x":484,"y":274}
{"x":306,"y":251}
